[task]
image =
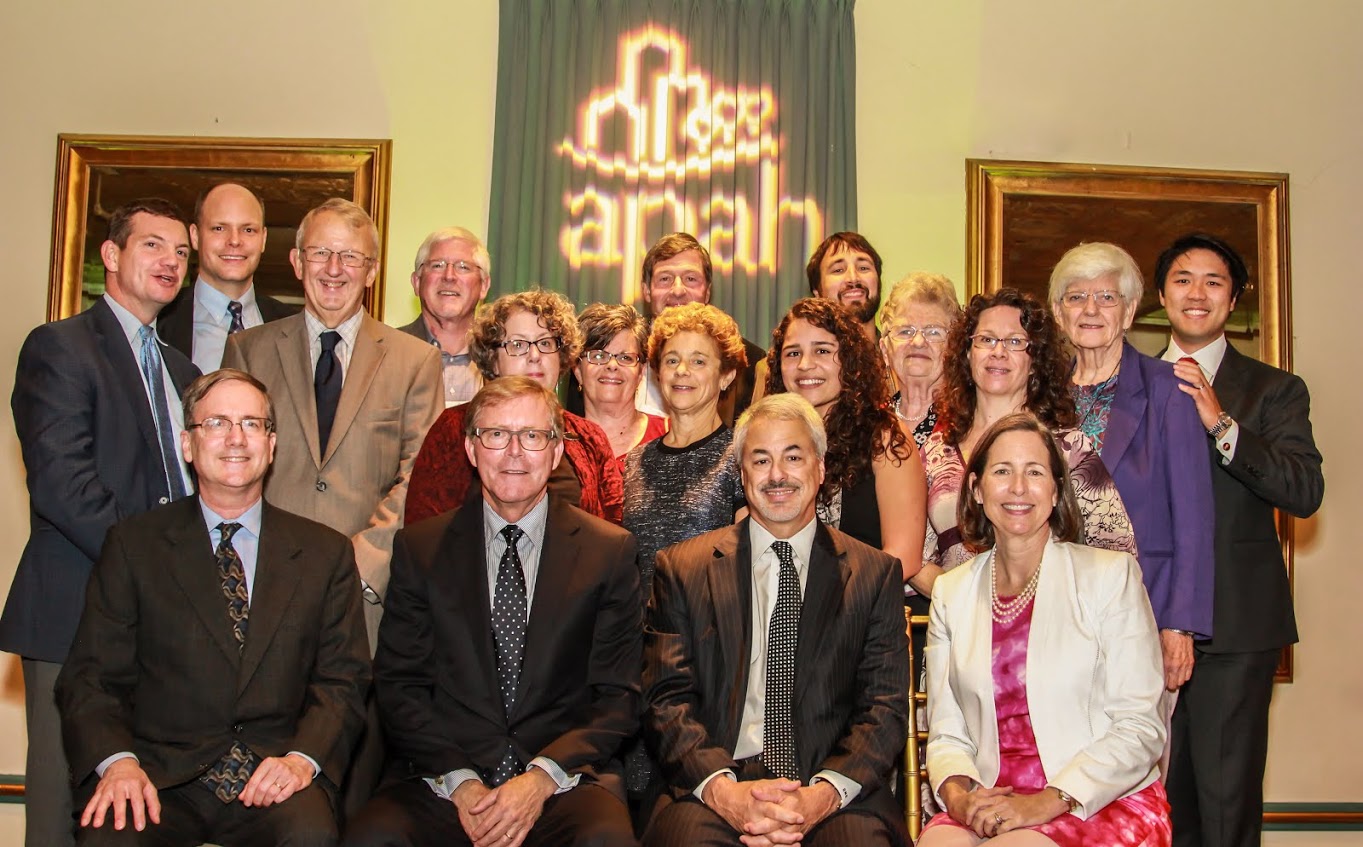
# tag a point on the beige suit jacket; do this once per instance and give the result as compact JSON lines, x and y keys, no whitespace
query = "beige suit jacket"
{"x":391,"y":395}
{"x":1094,"y":676}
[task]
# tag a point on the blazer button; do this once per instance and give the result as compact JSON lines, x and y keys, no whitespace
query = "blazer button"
{"x":164,"y":500}
{"x":321,"y":485}
{"x":238,"y":729}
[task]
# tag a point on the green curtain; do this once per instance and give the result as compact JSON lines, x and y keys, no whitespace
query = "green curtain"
{"x":619,"y":121}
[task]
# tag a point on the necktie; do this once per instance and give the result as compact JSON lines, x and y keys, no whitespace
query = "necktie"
{"x":778,"y":733}
{"x":234,"y":310}
{"x":150,"y":360}
{"x":229,"y":775}
{"x":233,"y":577}
{"x":326,"y":383}
{"x":1205,"y":376}
{"x":509,"y":612}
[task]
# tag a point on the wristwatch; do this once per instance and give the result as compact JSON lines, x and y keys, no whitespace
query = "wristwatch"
{"x":1223,"y":423}
{"x":1066,"y":798}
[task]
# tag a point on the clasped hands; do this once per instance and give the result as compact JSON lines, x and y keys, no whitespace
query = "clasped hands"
{"x":993,"y":811}
{"x":771,"y":811}
{"x":503,"y":815}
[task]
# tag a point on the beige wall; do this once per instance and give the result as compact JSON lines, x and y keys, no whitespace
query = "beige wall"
{"x":1241,"y":84}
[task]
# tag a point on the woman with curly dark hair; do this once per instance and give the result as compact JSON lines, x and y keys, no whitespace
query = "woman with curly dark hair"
{"x":873,"y":486}
{"x":1004,"y":355}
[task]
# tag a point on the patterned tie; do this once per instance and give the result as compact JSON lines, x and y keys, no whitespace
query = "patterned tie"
{"x":326,"y":384}
{"x":509,"y":612}
{"x":233,"y":582}
{"x":234,"y":310}
{"x":160,"y":411}
{"x":778,"y":733}
{"x":228,"y":777}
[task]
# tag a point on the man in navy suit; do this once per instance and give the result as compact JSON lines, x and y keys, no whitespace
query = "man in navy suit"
{"x":97,"y":409}
{"x":1258,"y":422}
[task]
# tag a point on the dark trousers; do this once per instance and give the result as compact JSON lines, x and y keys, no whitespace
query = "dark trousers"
{"x":410,"y":814}
{"x":1219,"y":744}
{"x":690,"y":823}
{"x":192,"y":815}
{"x":366,"y":765}
{"x":48,"y":820}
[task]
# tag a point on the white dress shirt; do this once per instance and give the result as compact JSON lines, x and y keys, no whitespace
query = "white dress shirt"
{"x":1209,"y":360}
{"x":349,"y":330}
{"x":212,"y":320}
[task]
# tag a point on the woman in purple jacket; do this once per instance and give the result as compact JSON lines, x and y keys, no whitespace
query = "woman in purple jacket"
{"x":1150,"y":438}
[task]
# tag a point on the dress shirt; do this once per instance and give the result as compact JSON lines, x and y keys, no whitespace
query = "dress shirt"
{"x":532,"y":526}
{"x":649,"y":396}
{"x":460,"y":373}
{"x":1209,"y":360}
{"x":766,"y":579}
{"x":349,"y":330}
{"x":212,"y":321}
{"x":131,"y":326}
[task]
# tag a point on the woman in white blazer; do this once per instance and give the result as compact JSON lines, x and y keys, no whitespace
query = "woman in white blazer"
{"x":1044,"y":668}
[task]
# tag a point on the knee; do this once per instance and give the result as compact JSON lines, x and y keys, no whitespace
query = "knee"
{"x":606,"y":832}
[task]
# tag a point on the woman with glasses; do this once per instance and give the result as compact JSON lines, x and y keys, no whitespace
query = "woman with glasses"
{"x":534,"y":334}
{"x":1150,"y":438}
{"x":919,"y":312}
{"x":1003,"y":356}
{"x":609,"y":372}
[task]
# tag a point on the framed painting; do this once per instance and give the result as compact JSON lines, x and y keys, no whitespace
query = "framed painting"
{"x":1023,"y":216}
{"x":98,"y":173}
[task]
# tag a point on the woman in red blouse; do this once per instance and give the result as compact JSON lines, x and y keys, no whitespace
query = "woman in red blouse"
{"x":534,"y":334}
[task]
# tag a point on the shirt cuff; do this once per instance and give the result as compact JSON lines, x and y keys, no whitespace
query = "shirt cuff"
{"x":1225,"y":445}
{"x":556,"y":773}
{"x":848,"y":789}
{"x":700,"y":789}
{"x":104,"y":765}
{"x":316,"y":768}
{"x":444,"y":786}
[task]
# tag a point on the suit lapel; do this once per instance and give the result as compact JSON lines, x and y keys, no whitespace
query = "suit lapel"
{"x":553,"y":584}
{"x":192,"y":566}
{"x":828,"y":575}
{"x":120,"y":356}
{"x":295,"y":363}
{"x":364,"y":365}
{"x":461,"y":565}
{"x":1229,"y":383}
{"x":276,"y":579}
{"x":730,"y":578}
{"x":1128,"y":408}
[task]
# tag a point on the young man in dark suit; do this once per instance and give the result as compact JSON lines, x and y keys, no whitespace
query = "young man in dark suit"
{"x":1258,"y":422}
{"x":97,"y":410}
{"x":507,"y":672}
{"x":776,"y":662}
{"x":216,"y":684}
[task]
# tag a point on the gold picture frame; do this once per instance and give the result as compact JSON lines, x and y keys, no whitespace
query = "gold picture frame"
{"x":1022,"y":217}
{"x":97,"y":173}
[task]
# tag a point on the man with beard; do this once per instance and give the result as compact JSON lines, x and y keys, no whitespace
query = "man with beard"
{"x":750,"y":620}
{"x":451,"y":278}
{"x":846,"y":268}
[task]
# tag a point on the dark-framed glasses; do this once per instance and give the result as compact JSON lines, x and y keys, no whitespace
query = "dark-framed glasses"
{"x":322,"y":255}
{"x":217,"y":427}
{"x":603,"y":357}
{"x":533,"y":440}
{"x":461,"y":267}
{"x":931,"y":334}
{"x":1013,"y":343}
{"x":521,"y":347}
{"x":1106,"y":299}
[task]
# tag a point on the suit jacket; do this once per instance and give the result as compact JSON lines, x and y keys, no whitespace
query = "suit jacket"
{"x":90,"y":448}
{"x":155,"y":669}
{"x":1276,"y":466}
{"x":391,"y":395}
{"x":1095,"y":676}
{"x":1155,"y":448}
{"x":435,"y":673}
{"x":176,"y":321}
{"x":852,"y":663}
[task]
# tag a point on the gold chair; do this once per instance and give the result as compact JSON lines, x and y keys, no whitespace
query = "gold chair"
{"x":915,"y":756}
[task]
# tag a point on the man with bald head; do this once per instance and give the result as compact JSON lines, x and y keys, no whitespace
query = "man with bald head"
{"x":229,"y":234}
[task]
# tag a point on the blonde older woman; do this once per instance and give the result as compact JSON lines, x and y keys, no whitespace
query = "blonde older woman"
{"x":915,"y":320}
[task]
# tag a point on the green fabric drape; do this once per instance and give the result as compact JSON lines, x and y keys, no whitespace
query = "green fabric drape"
{"x":619,"y":121}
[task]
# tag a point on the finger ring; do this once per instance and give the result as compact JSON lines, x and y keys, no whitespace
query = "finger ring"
{"x":998,"y":820}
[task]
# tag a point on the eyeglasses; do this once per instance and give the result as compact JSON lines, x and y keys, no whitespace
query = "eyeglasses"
{"x":533,"y":440}
{"x":931,"y":334}
{"x":1105,"y":299}
{"x":520,"y":347}
{"x":216,"y":427}
{"x":1013,"y":343}
{"x":322,"y":255}
{"x":462,"y":268}
{"x":695,"y":282}
{"x":603,"y":357}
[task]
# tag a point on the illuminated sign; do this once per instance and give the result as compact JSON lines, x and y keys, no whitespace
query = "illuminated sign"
{"x":673,"y":126}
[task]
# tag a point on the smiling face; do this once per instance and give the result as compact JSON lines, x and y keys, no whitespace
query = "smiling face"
{"x":612,"y":382}
{"x":689,"y":374}
{"x":1089,"y":325}
{"x":848,"y":276}
{"x":1197,"y":295}
{"x":230,"y":468}
{"x":449,"y":294}
{"x":810,"y":365}
{"x":332,"y":291}
{"x":1001,"y":372}
{"x":678,"y":281}
{"x":146,"y":274}
{"x":513,"y":478}
{"x":782,"y":473}
{"x":1018,"y":490}
{"x":230,"y":238}
{"x":916,"y":360}
{"x":541,"y":367}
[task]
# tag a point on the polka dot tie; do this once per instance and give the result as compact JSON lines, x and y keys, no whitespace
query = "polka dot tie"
{"x":233,"y":577}
{"x":778,"y":731}
{"x":509,"y":613}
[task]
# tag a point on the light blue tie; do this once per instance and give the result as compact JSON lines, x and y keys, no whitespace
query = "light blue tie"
{"x":160,"y":411}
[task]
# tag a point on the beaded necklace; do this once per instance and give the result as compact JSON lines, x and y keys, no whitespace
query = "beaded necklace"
{"x":1005,"y":612}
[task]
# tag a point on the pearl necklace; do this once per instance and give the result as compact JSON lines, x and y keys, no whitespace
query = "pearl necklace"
{"x":1007,"y":612}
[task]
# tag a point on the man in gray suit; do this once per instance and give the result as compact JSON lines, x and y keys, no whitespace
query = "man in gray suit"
{"x":791,"y":717}
{"x":452,"y":275}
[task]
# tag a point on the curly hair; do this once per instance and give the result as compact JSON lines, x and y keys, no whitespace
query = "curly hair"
{"x":1048,"y":377}
{"x":706,"y":320}
{"x":859,"y":419}
{"x":555,"y":313}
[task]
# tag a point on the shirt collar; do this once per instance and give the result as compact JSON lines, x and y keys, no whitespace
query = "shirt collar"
{"x":801,"y":543}
{"x":349,"y":328}
{"x":1208,"y":358}
{"x":532,"y":523}
{"x":249,"y":519}
{"x":131,"y":325}
{"x":215,"y":302}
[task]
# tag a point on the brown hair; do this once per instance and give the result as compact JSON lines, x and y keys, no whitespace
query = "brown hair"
{"x":199,"y":388}
{"x":1066,"y":520}
{"x":601,"y":322}
{"x":706,"y":320}
{"x":121,"y":221}
{"x":552,"y":310}
{"x":504,"y":390}
{"x":674,"y":245}
{"x":837,"y":243}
